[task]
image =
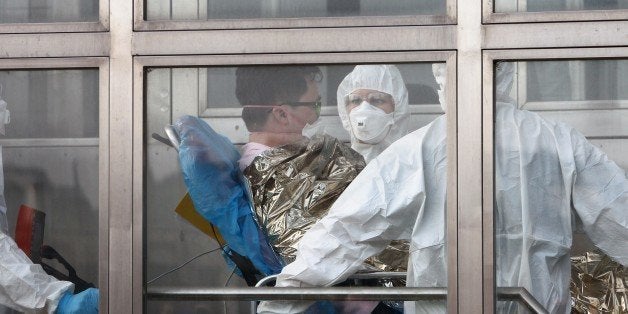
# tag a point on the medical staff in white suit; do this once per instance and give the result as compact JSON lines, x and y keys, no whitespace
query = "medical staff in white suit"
{"x":373,"y":108}
{"x":25,"y":286}
{"x":546,"y":174}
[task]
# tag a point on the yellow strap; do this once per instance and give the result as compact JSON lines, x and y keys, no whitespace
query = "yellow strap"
{"x":186,"y":209}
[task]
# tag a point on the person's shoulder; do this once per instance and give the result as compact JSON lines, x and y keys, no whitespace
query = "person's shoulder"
{"x":522,"y":116}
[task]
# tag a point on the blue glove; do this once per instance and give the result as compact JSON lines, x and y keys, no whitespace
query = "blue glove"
{"x":85,"y":302}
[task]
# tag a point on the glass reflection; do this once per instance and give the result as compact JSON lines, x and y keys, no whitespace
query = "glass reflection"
{"x":49,"y":159}
{"x":223,"y":97}
{"x":43,"y":103}
{"x":48,"y":11}
{"x":242,"y":9}
{"x":508,"y":6}
{"x":560,"y":178}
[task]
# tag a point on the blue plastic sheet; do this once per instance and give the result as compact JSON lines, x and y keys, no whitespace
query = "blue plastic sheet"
{"x":209,"y":162}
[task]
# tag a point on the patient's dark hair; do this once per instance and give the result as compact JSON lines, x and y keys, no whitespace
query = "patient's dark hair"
{"x":267,"y":86}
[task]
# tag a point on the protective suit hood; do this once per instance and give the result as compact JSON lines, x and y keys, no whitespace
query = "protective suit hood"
{"x":4,"y":119}
{"x":384,"y":78}
{"x":440,"y":75}
{"x":504,"y":77}
{"x":4,"y":225}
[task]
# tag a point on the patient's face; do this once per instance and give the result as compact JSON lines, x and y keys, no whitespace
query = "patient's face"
{"x":306,"y":113}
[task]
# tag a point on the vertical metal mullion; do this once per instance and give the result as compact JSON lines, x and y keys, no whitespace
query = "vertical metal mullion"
{"x":103,"y":186}
{"x":139,"y":243}
{"x":469,"y":114}
{"x":122,"y":275}
{"x":487,"y":183}
{"x":452,"y":191}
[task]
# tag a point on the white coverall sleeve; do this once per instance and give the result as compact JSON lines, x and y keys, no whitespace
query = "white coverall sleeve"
{"x":600,"y":197}
{"x":380,"y":205}
{"x":25,"y":286}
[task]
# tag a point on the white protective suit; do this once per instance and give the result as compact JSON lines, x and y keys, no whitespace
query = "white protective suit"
{"x":24,"y":286}
{"x":546,"y":174}
{"x":383,"y":78}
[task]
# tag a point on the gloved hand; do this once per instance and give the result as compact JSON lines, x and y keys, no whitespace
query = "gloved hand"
{"x":85,"y":302}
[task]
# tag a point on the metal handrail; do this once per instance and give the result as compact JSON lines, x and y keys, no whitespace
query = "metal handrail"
{"x":329,"y":293}
{"x":315,"y":293}
{"x":523,"y":295}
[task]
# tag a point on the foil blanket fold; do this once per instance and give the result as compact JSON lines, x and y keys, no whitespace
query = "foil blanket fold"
{"x":598,"y":285}
{"x":293,"y":186}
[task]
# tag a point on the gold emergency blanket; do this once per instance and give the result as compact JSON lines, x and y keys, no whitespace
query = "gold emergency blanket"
{"x":293,"y":186}
{"x":598,"y":285}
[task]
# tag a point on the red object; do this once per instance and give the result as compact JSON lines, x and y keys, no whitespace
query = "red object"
{"x":29,"y":232}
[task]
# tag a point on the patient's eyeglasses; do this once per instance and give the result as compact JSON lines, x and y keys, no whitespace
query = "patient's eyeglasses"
{"x":374,"y":99}
{"x":316,"y":105}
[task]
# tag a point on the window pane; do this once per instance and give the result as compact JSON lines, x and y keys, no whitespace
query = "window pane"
{"x":242,"y":9}
{"x":560,"y":175}
{"x":48,"y":11}
{"x":62,"y":182}
{"x":50,"y":160}
{"x":45,"y":104}
{"x":222,"y":96}
{"x":577,"y":81}
{"x":504,"y":6}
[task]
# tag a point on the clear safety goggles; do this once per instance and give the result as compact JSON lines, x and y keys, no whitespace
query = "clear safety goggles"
{"x":316,"y":105}
{"x":374,"y":98}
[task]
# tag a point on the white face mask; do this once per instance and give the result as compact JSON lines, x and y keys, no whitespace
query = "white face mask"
{"x":370,"y":124}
